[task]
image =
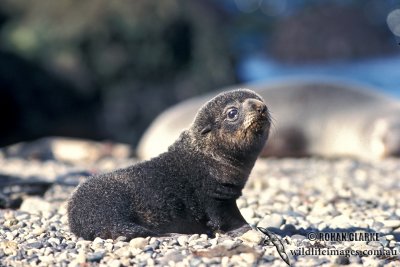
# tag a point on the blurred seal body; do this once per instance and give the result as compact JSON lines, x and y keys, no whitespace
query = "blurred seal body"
{"x":310,"y":118}
{"x":192,"y":188}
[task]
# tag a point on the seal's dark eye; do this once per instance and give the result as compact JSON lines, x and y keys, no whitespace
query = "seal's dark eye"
{"x":232,"y":113}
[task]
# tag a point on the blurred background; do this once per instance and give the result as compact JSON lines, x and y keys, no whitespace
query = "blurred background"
{"x":104,"y":69}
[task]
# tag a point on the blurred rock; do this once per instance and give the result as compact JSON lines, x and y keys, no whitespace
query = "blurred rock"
{"x":70,"y":150}
{"x":35,"y":204}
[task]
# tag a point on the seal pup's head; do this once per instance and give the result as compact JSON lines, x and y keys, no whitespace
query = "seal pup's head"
{"x":233,"y":125}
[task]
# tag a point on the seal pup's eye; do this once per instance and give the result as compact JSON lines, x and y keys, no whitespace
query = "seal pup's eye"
{"x":232,"y":114}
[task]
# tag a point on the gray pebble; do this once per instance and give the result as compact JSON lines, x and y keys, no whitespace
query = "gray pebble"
{"x":195,"y":262}
{"x":342,"y":260}
{"x":36,"y":245}
{"x":95,"y":257}
{"x":138,"y":242}
{"x":43,"y":238}
{"x":54,"y":241}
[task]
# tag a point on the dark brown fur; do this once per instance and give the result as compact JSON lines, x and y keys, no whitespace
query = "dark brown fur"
{"x":192,"y":188}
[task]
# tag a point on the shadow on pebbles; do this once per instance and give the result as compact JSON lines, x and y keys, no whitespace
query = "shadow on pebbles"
{"x":294,"y":198}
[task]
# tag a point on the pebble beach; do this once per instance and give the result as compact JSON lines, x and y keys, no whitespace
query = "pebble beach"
{"x":293,"y":198}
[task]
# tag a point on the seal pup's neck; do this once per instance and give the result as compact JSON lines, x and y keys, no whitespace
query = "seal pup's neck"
{"x":224,"y":168}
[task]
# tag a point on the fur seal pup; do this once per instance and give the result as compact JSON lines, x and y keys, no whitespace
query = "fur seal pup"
{"x":323,"y":117}
{"x":192,"y":188}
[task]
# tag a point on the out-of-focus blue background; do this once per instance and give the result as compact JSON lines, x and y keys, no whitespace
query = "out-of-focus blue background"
{"x":381,"y":73}
{"x":105,"y":69}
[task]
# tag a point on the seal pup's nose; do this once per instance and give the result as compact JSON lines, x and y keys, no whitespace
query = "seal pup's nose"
{"x":261,"y":108}
{"x":257,"y":105}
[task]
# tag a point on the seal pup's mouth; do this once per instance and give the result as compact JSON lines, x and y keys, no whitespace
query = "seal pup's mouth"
{"x":257,"y":124}
{"x":258,"y":119}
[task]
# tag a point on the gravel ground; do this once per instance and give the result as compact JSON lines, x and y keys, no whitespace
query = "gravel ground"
{"x":293,"y":198}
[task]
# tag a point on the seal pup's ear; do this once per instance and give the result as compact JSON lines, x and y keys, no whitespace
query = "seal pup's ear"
{"x":206,"y":129}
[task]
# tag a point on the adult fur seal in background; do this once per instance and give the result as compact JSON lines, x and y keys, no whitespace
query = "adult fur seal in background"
{"x":192,"y":188}
{"x":311,"y":118}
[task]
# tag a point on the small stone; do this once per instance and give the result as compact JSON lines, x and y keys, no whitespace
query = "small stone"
{"x":303,"y":209}
{"x":201,"y":245}
{"x":391,"y":223}
{"x":9,"y":247}
{"x":386,"y":230}
{"x":203,"y":237}
{"x":376,"y":244}
{"x":252,"y":200}
{"x":225,"y":261}
{"x":114,"y":263}
{"x":70,"y":244}
{"x":236,"y":258}
{"x":154,"y":245}
{"x":229,"y":243}
{"x":125,"y":252}
{"x":23,"y":216}
{"x":35,"y":204}
{"x":33,"y":260}
{"x":193,"y":237}
{"x":81,"y":258}
{"x":241,"y":203}
{"x":377,"y":226}
{"x":121,"y":238}
{"x":273,"y":220}
{"x":247,"y":213}
{"x":341,"y":221}
{"x":38,"y":231}
{"x":248,"y":257}
{"x":47,"y":251}
{"x":389,"y":237}
{"x":150,"y":262}
{"x":138,"y":242}
{"x":98,"y":240}
{"x":183,"y":240}
{"x":252,"y":236}
{"x":172,"y":256}
{"x":53,"y":240}
{"x":118,"y":244}
{"x":127,"y":262}
{"x":213,"y":242}
{"x":171,"y":243}
{"x":46,"y":259}
{"x":9,"y":215}
{"x":83,"y":243}
{"x":9,"y":236}
{"x":108,"y":246}
{"x":342,"y":260}
{"x":11,"y":222}
{"x":369,"y":261}
{"x":37,"y":245}
{"x":95,"y":257}
{"x":298,"y":237}
{"x":195,"y":262}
